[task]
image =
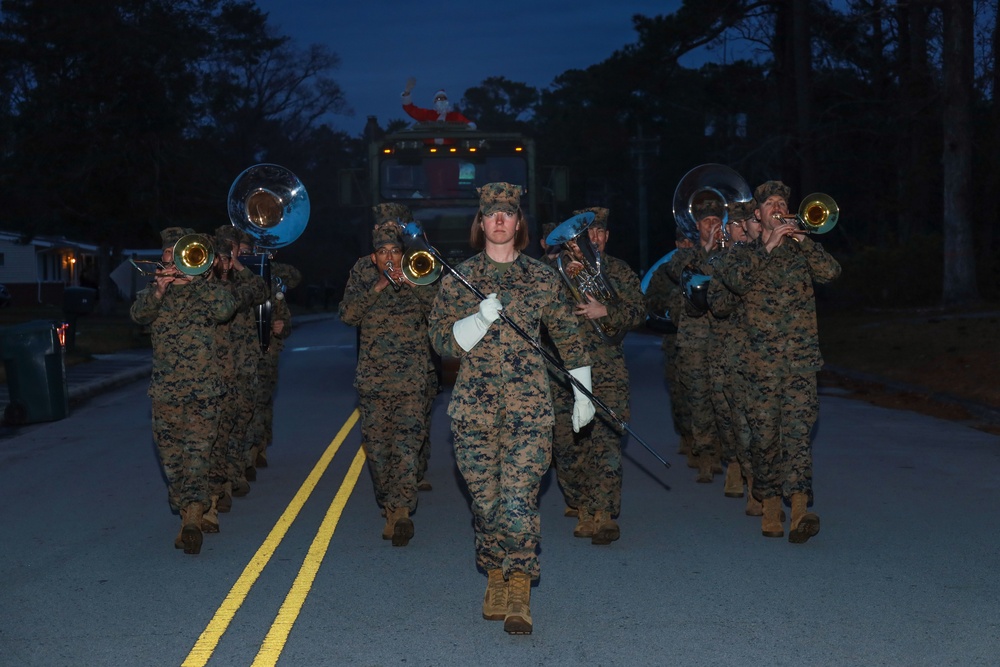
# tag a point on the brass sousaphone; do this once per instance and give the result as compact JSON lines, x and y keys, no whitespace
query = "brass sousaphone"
{"x":270,"y":204}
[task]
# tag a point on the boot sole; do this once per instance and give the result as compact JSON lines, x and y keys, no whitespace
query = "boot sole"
{"x":517,"y":625}
{"x":192,"y":538}
{"x":606,"y":536}
{"x":808,"y":527}
{"x":733,"y":494}
{"x":402,"y":532}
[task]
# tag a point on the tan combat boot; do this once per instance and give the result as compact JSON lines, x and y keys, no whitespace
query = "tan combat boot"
{"x":495,"y":600}
{"x":402,"y":526}
{"x":734,"y":481}
{"x":210,"y":519}
{"x":685,"y":445}
{"x":585,"y":525}
{"x":191,"y":528}
{"x":606,"y":529}
{"x":754,"y":508}
{"x":805,"y":524}
{"x":225,"y":503}
{"x":770,"y":524}
{"x":704,"y":469}
{"x":518,"y":618}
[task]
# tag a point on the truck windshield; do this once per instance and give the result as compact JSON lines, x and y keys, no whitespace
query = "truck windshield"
{"x":447,"y":177}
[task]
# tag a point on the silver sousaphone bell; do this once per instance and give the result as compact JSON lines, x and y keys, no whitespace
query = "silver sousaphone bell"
{"x":270,"y":204}
{"x":704,"y":182}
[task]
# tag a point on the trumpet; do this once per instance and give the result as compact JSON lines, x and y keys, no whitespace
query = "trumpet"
{"x":193,"y":256}
{"x":817,"y":214}
{"x":419,"y":268}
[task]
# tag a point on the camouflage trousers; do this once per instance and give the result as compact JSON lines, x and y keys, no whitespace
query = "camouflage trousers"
{"x":693,"y":377}
{"x":680,"y":409}
{"x":589,"y":463}
{"x":730,"y":425}
{"x":503,"y":467}
{"x":392,"y":428}
{"x":425,"y":448}
{"x":260,"y":429}
{"x":185,"y":438}
{"x":236,"y":414}
{"x":781,"y":412}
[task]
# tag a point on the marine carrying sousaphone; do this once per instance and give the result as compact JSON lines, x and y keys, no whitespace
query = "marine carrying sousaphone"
{"x":270,"y":204}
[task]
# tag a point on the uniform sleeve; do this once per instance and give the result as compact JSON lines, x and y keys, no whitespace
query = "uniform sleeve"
{"x":281,"y":311}
{"x":658,"y":291}
{"x":742,"y":267}
{"x":450,"y":305}
{"x":822,"y":266}
{"x":629,"y":312}
{"x":359,"y":296}
{"x":220,"y":301}
{"x":146,"y":306}
{"x":249,"y":289}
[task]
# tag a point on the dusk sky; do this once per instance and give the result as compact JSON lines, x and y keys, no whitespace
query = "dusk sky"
{"x":454,"y":45}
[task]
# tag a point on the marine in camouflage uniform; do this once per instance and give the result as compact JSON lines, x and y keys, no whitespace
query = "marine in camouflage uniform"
{"x":663,"y":295}
{"x":727,"y":329}
{"x":183,"y":315}
{"x":284,"y":276}
{"x":781,"y":358}
{"x":589,"y":463}
{"x":240,"y":359}
{"x":391,"y":376}
{"x":693,"y":344}
{"x":500,"y":407}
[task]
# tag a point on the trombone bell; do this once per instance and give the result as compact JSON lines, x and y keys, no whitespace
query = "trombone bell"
{"x":818,"y":213}
{"x":193,"y":254}
{"x":420,"y":267}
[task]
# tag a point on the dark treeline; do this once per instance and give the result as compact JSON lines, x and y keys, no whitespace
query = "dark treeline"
{"x":126,"y":116}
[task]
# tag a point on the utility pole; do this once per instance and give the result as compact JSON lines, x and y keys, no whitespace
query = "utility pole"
{"x":640,"y":147}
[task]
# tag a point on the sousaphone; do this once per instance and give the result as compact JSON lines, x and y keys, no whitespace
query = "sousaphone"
{"x":270,"y":204}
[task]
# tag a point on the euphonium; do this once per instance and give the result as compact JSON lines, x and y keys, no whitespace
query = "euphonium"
{"x":583,"y":275}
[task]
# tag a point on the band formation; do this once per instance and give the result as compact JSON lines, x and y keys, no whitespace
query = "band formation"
{"x":538,"y":348}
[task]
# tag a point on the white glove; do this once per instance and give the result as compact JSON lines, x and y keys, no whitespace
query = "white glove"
{"x":583,"y":407}
{"x":470,"y":330}
{"x":410,"y":83}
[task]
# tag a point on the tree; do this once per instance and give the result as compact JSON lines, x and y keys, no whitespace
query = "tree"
{"x":500,"y":104}
{"x":959,"y":256}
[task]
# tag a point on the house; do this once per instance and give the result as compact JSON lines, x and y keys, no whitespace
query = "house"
{"x":38,"y":270}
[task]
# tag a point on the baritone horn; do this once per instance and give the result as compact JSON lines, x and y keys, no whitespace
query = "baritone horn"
{"x":582,"y":271}
{"x":817,"y":214}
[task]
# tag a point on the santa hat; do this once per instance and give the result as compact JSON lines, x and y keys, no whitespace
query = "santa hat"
{"x":441,"y":93}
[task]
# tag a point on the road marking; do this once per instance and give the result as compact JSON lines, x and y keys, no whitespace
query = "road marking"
{"x":274,"y":643}
{"x":209,"y":639}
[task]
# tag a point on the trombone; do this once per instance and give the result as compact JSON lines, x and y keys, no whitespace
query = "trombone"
{"x":817,"y":214}
{"x":419,"y":268}
{"x":193,"y":256}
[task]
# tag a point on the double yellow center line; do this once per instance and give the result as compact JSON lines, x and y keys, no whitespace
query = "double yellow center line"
{"x":275,"y":640}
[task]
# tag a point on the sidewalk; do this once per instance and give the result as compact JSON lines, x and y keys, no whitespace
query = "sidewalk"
{"x":103,"y":373}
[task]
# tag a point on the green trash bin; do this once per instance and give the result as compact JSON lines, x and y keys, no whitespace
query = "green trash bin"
{"x":36,"y":373}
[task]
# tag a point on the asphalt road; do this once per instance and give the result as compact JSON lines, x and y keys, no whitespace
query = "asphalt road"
{"x":903,"y":572}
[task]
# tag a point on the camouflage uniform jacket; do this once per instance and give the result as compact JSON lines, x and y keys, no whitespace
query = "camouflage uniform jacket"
{"x":664,"y":295}
{"x":504,"y":374}
{"x":240,"y":353}
{"x":728,"y":317}
{"x":183,"y":325}
{"x":693,"y":328}
{"x":777,"y":289}
{"x":625,"y":315}
{"x":394,"y":352}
